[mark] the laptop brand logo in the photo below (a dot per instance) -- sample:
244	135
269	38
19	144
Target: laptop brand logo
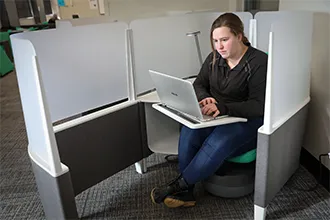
174	94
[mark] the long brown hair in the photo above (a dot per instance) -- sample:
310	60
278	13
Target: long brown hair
234	23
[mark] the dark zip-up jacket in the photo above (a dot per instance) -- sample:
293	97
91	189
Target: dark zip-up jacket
239	91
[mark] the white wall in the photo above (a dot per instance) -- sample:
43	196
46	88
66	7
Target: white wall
318	126
27	21
236	5
308	5
268	5
80	7
126	10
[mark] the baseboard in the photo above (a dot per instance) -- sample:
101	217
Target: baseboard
313	166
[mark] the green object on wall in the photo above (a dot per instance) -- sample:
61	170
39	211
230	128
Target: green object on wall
6	66
4	36
33	29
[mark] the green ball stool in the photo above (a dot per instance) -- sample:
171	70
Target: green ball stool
235	178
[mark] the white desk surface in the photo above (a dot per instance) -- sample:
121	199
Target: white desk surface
151	97
216	122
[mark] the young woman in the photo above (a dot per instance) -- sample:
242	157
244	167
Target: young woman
232	81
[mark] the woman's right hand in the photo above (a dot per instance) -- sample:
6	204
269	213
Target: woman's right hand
208	100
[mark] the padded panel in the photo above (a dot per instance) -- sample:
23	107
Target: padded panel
84	67
278	157
161	44
56	194
144	135
97	149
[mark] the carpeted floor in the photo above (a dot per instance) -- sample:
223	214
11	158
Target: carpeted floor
126	194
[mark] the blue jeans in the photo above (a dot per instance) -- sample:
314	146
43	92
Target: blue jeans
203	151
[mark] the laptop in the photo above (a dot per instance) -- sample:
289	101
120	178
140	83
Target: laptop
178	96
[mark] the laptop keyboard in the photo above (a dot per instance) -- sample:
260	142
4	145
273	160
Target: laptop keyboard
181	115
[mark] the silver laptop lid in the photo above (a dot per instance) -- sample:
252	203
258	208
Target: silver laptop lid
176	93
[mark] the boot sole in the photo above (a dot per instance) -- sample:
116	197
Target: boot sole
152	197
175	203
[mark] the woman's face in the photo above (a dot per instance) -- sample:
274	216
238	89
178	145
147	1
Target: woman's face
225	42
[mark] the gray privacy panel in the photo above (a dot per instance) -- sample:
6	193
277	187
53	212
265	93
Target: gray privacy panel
144	131
161	44
62	204
97	149
278	157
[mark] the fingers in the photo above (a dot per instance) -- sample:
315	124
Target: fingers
201	103
216	113
210	109
210	112
206	109
207	101
210	100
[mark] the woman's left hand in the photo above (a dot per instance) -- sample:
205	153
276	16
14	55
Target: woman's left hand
210	109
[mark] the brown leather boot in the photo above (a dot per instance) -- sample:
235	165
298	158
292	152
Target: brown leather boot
178	185
181	199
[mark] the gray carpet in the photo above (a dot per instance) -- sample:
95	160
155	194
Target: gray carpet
126	194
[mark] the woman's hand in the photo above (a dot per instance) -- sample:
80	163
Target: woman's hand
210	109
208	100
